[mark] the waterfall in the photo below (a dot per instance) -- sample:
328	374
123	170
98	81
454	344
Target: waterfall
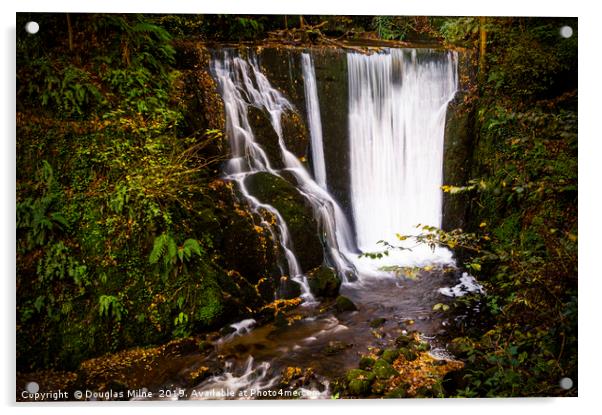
313	119
242	84
248	157
397	106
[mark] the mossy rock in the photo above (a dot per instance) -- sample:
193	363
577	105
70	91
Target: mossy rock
422	347
359	374
324	282
343	304
242	244
403	340
295	134
390	355
335	347
359	382
366	362
295	211
383	370
359	387
408	354
379	387
399	392
377	322
265	135
288	288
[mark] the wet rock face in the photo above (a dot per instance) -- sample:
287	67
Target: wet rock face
294	135
333	94
283	68
295	211
459	142
265	136
245	246
196	94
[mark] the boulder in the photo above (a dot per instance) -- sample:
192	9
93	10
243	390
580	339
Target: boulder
359	382
324	282
343	304
377	322
390	355
383	370
366	362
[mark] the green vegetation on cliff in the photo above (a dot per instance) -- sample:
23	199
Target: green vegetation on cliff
525	160
123	229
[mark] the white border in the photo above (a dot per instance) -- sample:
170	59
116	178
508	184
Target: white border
589	184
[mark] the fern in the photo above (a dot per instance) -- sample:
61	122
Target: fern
58	263
158	249
190	247
172	250
165	248
110	306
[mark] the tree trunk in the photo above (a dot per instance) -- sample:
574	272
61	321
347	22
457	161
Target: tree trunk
70	32
482	47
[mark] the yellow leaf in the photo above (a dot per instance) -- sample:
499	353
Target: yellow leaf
483	224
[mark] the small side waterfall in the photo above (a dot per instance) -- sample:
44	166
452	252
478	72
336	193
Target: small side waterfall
247	156
397	106
313	119
243	84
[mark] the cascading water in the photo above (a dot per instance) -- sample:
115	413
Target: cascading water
397	106
242	84
313	119
247	156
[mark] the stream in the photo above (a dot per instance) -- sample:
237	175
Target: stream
325	341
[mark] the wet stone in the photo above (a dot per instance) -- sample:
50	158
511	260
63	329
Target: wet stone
390	355
343	304
377	322
383	370
366	362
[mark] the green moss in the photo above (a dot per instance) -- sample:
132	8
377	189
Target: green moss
398	393
359	382
390	355
323	282
377	322
366	363
343	304
383	369
295	211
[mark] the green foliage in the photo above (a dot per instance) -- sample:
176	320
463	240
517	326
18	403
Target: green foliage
460	29
130	77
246	28
58	263
527	157
390	27
67	89
173	258
182	328
111	307
98	178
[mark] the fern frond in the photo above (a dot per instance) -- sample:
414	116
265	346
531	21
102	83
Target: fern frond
192	246
158	249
